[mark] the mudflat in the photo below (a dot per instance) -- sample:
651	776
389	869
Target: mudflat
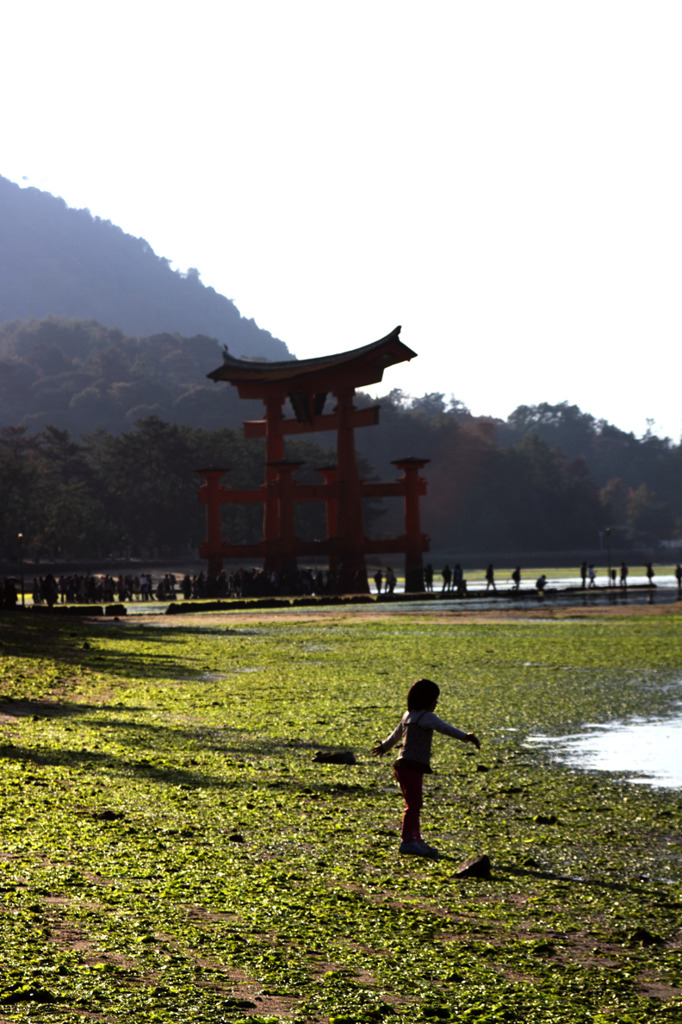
369	613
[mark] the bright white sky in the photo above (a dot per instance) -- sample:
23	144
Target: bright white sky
501	177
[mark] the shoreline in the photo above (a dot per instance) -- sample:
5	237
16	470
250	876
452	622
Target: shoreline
526	612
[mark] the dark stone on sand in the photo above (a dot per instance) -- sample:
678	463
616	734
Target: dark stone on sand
334	757
108	815
474	867
643	937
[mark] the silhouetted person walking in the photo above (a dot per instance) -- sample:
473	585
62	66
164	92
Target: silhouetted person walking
458	584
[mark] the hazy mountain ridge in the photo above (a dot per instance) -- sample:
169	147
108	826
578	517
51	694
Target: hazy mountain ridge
61	262
79	376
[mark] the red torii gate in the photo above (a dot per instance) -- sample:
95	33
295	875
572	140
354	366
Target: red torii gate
307	383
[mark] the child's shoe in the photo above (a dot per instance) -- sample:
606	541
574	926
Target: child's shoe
428	851
412	846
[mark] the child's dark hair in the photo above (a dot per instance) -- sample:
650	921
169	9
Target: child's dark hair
422	695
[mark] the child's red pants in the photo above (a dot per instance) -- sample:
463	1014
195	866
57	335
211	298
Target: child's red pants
411	786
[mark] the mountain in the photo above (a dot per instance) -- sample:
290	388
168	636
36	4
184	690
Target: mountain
79	376
60	262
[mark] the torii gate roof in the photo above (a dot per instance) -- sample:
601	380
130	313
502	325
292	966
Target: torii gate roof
357	368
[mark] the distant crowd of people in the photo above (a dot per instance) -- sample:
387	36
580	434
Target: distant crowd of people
301	582
77	588
453	581
107	589
619	577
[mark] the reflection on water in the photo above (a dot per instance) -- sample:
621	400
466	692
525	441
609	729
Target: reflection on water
476	601
652	748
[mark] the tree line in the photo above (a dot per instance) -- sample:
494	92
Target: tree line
492	486
133	494
549	478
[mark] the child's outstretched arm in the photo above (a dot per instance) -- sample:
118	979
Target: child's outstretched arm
432	721
380	748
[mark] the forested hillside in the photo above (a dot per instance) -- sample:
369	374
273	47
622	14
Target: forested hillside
66	263
81	376
549	478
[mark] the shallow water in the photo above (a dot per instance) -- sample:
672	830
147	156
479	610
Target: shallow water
503	600
649	749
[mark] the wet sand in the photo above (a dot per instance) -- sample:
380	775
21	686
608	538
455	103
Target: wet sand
525	612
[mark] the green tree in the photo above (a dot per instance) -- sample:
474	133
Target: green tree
651	520
73	521
150	486
19	508
614	501
563	425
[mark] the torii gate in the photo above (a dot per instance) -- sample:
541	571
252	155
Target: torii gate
307	383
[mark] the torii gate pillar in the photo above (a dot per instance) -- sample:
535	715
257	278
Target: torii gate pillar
350	526
414	541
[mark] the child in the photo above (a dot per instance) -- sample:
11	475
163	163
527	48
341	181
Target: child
415	730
